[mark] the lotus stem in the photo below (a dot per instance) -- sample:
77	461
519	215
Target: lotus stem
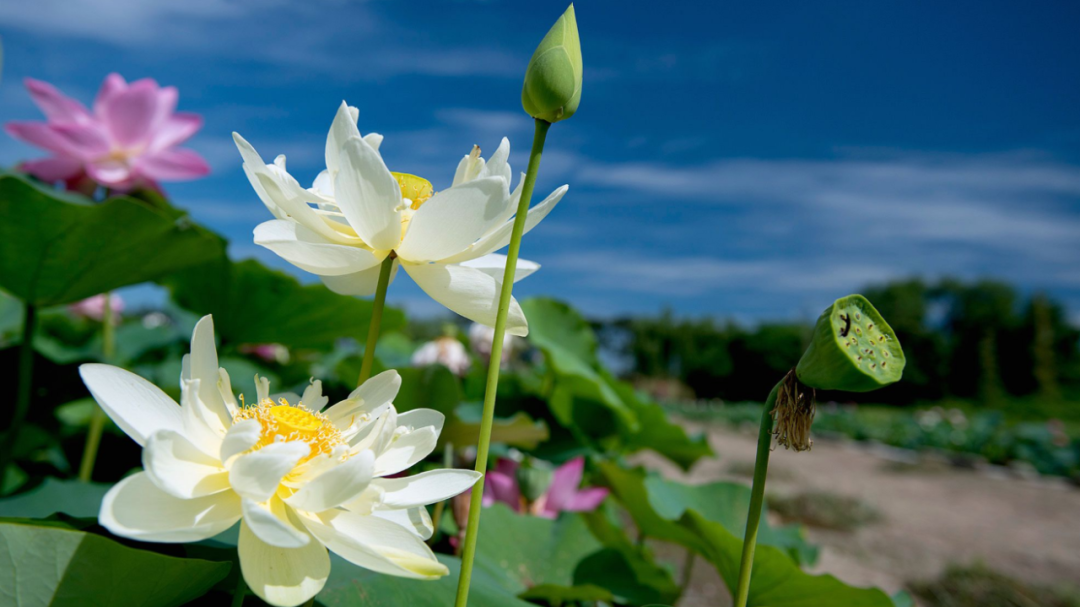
26	378
757	497
376	317
97	417
494	363
240	592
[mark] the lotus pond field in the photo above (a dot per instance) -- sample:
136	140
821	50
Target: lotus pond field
304	303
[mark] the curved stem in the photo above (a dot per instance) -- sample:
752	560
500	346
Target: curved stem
495	362
97	418
240	592
26	378
757	498
376	317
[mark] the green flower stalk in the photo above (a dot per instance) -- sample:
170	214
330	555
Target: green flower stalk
853	349
551	93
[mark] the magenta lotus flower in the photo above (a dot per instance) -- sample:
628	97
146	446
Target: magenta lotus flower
129	140
563	495
94	307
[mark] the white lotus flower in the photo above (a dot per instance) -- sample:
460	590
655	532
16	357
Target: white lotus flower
300	479
446	351
363	213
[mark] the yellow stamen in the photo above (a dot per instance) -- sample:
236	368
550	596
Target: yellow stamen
417	189
284	422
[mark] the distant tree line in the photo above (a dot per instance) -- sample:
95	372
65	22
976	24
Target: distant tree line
979	340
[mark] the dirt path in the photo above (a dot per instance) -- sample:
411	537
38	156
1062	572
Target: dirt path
931	516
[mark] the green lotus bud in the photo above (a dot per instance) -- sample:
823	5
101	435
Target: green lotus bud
553	79
853	349
533	479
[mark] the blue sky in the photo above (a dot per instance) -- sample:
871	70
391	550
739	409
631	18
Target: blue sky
753	160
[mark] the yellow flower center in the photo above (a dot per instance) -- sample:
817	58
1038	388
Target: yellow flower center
416	189
285	422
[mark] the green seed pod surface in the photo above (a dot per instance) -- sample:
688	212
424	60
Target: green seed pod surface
552	87
853	349
533	481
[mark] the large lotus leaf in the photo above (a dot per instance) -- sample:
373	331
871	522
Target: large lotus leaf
518	430
627	568
352	586
253	304
57	249
73	498
777	580
50	563
524	552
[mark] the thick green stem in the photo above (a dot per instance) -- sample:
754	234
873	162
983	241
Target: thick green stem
376	317
495	363
240	592
757	498
22	399
97	417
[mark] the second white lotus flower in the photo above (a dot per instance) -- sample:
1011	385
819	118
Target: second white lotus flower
298	477
363	213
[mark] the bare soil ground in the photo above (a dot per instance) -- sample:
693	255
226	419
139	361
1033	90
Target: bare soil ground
931	516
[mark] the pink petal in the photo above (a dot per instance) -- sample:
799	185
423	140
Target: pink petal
587	500
564	484
503	489
111	173
40	134
87	141
507	467
113	85
174	130
56	106
51	170
173	165
130	114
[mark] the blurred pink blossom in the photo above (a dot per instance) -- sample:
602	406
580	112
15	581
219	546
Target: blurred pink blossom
446	351
271	353
94	307
563	495
480	339
129	140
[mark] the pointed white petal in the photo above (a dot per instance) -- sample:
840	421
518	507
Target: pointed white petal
416	520
341	130
337	485
494	265
282	576
257	475
376	544
139	407
425	488
500	236
374	140
406	450
311	252
416	419
367	399
469	292
498	166
362	283
313	397
179	468
270	523
454	219
240	437
203	366
137	509
368	195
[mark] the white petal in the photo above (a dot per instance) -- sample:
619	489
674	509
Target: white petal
362	283
179	468
374	140
494	265
425	488
469	168
270	523
139	407
311	252
371	396
406	450
422	418
368	195
257	475
454	219
240	437
203	366
313	397
282	576
341	130
137	509
416	520
469	292
201	426
335	486
500	236
497	165
225	388
375	544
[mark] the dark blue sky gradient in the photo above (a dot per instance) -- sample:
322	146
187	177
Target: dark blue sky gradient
736	159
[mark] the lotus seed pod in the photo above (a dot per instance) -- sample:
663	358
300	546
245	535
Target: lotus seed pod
853	349
553	79
534	480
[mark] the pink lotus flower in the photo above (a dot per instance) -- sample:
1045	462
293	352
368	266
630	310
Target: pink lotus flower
563	495
129	139
94	307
